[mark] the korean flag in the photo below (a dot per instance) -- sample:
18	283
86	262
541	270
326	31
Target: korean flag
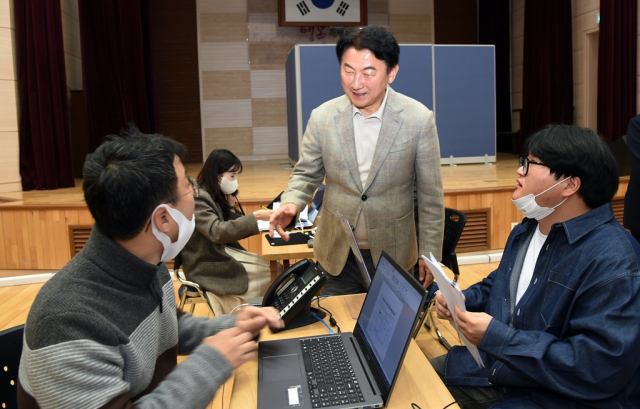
318	11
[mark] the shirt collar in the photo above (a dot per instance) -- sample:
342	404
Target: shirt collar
118	262
580	226
379	112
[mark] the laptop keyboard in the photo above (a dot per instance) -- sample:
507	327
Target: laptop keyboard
330	375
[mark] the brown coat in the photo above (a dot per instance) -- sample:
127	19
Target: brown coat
204	259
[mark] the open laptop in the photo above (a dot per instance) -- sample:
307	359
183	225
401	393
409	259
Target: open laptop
348	230
363	367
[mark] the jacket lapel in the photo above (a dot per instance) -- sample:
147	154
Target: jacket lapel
344	126
391	122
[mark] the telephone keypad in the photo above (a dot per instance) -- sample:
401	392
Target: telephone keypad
284	302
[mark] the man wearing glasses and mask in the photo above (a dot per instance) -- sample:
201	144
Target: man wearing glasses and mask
104	331
557	324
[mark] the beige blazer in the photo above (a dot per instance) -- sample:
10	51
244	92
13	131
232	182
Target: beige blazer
407	150
204	259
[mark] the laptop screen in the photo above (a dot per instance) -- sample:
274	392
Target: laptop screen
388	315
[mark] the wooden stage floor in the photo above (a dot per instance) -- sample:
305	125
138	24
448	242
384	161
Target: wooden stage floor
261	181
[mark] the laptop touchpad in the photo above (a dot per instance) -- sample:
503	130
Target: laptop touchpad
280	368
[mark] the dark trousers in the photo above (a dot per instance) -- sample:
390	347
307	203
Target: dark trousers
468	397
350	280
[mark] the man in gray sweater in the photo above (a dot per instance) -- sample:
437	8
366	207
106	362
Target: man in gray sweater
104	331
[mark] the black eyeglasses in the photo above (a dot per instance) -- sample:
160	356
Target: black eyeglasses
524	163
195	189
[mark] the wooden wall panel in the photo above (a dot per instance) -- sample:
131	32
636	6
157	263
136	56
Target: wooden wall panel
235	113
455	22
226	85
37	239
268	84
224	27
412	28
6	13
224	56
7	67
8	106
222	6
269	111
174	54
237	140
9	159
269	140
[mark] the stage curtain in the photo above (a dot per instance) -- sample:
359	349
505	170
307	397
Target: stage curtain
617	67
116	66
494	27
44	137
547	83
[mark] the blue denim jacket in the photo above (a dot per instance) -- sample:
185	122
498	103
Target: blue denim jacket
573	339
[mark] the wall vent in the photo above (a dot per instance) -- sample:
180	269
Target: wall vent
78	236
475	236
618	208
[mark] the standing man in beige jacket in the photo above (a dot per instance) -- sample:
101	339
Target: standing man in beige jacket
370	144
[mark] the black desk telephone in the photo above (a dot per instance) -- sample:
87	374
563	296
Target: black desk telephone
292	291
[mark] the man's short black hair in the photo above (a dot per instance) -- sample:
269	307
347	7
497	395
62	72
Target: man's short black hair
378	40
126	178
569	150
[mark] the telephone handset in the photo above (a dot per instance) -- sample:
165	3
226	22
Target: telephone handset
292	291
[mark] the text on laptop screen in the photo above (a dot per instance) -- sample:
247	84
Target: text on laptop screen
387	317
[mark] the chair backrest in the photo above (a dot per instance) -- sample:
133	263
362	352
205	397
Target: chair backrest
454	221
11	347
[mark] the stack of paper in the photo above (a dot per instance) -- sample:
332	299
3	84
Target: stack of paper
453	296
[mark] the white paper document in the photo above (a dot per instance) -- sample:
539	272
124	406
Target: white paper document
453	296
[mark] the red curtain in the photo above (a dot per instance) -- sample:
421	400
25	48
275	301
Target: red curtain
45	142
116	68
547	74
617	67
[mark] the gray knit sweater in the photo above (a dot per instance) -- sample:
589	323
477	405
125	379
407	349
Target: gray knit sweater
104	333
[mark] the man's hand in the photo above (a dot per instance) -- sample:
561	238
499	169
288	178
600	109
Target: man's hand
281	218
235	344
473	325
424	273
441	308
253	319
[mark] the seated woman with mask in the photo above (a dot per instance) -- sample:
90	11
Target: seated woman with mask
213	257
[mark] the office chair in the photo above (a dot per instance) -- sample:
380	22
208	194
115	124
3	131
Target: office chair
452	232
454	222
11	347
189	292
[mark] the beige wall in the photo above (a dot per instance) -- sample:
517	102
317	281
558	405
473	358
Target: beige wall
242	53
585	56
9	153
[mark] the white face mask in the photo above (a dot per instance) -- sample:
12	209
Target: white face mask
185	230
528	205
228	186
